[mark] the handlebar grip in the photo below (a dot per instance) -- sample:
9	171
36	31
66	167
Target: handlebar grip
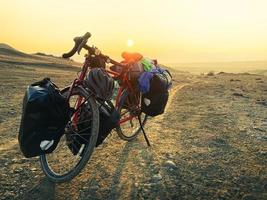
79	43
85	38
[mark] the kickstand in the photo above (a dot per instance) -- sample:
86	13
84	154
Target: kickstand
142	128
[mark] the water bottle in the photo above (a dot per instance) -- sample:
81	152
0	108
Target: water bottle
115	90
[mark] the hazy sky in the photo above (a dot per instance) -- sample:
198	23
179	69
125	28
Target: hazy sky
170	30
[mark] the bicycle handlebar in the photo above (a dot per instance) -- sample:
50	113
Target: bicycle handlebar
80	42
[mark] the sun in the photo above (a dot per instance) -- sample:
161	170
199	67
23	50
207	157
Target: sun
130	42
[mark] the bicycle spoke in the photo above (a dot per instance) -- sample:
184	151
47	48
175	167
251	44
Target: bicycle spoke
72	151
82	137
79	123
130	108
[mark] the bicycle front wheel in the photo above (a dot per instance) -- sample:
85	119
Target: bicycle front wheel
77	144
129	109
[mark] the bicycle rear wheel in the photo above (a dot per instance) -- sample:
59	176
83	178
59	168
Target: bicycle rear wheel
129	109
77	144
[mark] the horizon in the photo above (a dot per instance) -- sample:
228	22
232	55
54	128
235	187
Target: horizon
256	66
169	63
181	31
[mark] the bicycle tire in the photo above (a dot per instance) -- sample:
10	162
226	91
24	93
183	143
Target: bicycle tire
87	150
122	131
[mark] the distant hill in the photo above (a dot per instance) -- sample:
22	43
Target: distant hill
230	67
43	54
261	72
10	56
5	46
10	51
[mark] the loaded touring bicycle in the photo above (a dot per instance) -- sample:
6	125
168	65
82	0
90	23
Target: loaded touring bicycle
63	127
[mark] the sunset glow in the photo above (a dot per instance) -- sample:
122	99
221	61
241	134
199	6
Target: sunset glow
130	42
171	31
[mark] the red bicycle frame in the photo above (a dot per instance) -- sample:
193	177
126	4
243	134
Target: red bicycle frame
78	81
123	78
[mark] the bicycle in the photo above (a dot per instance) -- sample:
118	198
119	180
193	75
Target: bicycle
61	165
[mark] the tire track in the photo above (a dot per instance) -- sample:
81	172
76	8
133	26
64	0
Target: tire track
173	93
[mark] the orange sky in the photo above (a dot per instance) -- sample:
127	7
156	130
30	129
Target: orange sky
170	30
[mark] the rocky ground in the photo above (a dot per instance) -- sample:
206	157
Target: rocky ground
211	143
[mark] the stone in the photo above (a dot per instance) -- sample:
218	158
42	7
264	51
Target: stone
249	197
170	164
157	177
148	185
263	138
14	160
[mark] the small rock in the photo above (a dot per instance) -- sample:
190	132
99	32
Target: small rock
264	103
263	138
33	169
24	160
263	153
157	177
86	187
234	80
9	193
145	190
94	187
249	197
148	185
238	94
142	164
18	170
168	155
170	164
258	129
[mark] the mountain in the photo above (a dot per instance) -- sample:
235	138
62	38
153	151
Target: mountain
5	46
11	57
7	50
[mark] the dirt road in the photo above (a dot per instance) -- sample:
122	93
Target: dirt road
209	144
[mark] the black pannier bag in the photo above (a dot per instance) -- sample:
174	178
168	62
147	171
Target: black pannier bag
154	101
108	119
45	114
